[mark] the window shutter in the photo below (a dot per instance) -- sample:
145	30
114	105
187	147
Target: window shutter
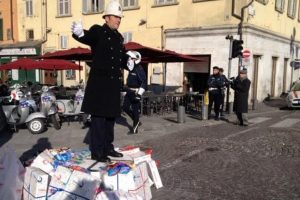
1	29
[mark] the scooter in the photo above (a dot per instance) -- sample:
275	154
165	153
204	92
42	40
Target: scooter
71	107
22	110
49	107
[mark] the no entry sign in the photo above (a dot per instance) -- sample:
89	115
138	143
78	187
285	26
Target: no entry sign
246	54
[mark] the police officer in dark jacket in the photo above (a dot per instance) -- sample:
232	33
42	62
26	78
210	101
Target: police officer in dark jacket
102	92
241	86
136	85
215	83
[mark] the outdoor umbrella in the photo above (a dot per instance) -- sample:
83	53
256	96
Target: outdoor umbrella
151	55
78	53
46	64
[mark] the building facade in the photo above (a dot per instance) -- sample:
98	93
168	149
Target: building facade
194	27
14	43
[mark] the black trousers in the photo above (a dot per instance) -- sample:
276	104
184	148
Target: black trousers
101	135
131	107
222	101
215	97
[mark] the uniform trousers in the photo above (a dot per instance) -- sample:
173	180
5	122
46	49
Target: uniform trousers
101	135
131	107
215	97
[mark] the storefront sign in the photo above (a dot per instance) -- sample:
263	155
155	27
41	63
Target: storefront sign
18	51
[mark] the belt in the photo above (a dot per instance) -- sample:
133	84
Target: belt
133	89
211	89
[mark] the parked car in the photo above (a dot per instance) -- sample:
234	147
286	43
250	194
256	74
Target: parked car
293	97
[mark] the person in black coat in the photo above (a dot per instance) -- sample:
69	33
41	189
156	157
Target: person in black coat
215	84
102	92
136	86
241	86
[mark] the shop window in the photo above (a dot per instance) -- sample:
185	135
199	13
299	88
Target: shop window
130	4
1	29
29	34
71	74
279	5
127	37
265	2
64	42
92	6
29	8
292	8
64	7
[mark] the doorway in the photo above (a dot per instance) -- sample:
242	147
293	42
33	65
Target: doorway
285	65
273	78
256	59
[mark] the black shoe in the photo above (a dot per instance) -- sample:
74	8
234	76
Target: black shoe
135	127
100	158
217	118
114	153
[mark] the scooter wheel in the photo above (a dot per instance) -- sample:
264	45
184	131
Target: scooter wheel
56	121
36	126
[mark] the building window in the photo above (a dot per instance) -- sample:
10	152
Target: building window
299	13
165	2
1	29
292	8
92	6
195	1
128	4
71	74
279	6
127	37
265	2
64	7
29	9
63	42
29	34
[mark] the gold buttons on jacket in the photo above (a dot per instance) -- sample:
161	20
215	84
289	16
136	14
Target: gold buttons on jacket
112	67
112	57
108	38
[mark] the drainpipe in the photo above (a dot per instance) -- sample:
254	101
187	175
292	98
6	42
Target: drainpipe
11	21
240	29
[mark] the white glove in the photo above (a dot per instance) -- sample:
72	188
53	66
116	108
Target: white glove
140	91
77	29
130	64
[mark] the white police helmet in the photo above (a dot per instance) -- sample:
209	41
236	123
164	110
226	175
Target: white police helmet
136	56
113	8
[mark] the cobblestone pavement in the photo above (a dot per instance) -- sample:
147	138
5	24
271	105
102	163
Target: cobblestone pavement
231	162
202	159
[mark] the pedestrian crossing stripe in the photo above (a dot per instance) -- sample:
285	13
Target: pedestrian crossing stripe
257	120
286	123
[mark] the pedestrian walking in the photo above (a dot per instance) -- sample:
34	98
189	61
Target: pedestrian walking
215	84
102	92
241	85
136	86
223	90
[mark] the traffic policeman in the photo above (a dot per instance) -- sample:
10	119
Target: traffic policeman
215	83
102	92
136	86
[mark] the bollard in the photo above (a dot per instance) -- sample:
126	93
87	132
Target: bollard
204	112
230	107
254	104
181	114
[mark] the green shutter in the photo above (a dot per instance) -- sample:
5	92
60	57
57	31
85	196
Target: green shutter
1	29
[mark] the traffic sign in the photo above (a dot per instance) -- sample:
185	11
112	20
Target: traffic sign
246	54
